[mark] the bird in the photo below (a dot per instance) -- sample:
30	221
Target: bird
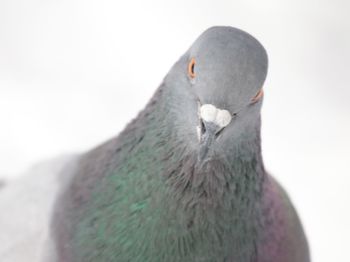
26	203
185	180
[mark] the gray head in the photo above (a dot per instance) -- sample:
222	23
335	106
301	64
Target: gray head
216	89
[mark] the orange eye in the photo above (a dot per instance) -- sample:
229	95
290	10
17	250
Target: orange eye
190	68
258	96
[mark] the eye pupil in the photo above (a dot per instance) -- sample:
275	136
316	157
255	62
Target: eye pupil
191	66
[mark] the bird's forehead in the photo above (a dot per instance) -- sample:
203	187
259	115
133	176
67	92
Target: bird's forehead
223	41
230	53
231	66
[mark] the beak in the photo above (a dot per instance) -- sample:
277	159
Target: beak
212	122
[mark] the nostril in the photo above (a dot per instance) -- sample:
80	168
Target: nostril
218	133
203	129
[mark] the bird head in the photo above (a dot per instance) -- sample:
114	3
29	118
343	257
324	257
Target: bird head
216	89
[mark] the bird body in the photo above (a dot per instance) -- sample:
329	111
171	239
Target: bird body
180	184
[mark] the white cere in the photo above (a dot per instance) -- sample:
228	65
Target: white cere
220	117
223	118
208	112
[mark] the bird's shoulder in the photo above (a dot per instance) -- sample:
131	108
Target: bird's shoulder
284	234
26	204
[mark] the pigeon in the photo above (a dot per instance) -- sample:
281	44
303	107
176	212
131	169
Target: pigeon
185	180
26	204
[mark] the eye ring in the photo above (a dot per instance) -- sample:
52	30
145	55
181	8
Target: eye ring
190	68
258	96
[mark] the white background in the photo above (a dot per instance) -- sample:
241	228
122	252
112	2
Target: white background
74	72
